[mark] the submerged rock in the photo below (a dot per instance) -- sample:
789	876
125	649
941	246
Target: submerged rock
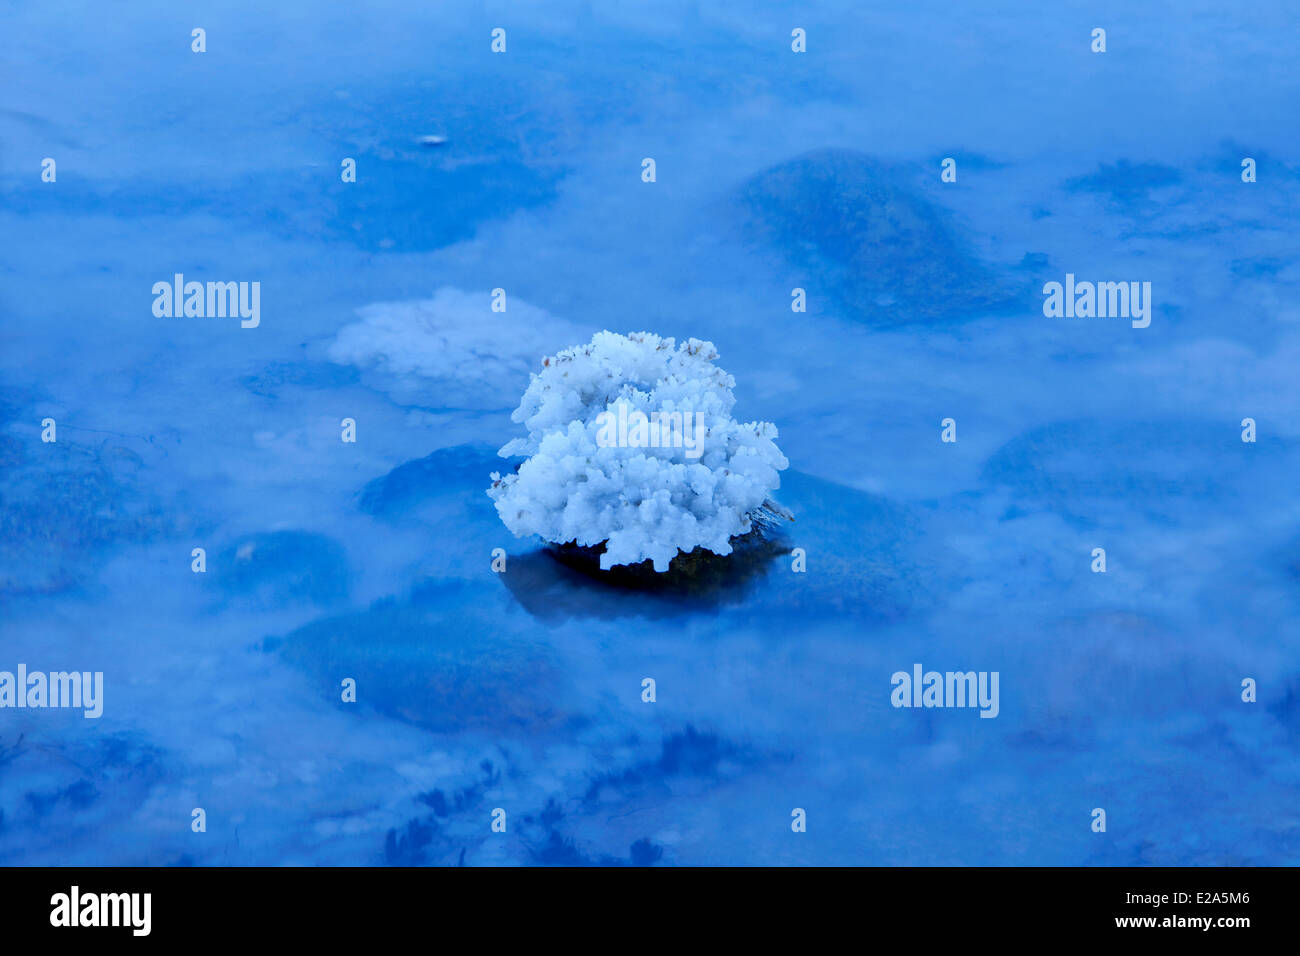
697	572
438	658
866	559
891	256
457	470
1171	471
63	506
280	565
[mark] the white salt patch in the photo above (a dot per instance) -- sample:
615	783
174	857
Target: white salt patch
451	351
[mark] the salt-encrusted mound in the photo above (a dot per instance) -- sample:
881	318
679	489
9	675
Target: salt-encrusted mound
641	503
450	351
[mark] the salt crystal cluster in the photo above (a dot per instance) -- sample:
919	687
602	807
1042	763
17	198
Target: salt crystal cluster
642	502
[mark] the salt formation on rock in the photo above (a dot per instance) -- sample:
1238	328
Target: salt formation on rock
643	500
446	352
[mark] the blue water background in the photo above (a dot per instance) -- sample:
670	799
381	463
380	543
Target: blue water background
775	170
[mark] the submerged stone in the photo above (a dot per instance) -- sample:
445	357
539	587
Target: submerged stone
438	658
891	255
284	564
458	469
697	572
